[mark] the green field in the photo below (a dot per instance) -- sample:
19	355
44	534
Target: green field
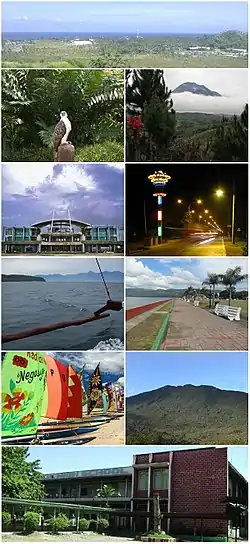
148	52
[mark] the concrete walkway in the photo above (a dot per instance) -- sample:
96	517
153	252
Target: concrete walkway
196	329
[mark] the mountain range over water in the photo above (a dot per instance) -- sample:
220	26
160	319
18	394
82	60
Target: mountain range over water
114	276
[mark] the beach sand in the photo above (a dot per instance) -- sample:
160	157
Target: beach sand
110	434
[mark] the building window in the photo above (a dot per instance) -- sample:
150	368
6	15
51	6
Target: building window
142	480
160	479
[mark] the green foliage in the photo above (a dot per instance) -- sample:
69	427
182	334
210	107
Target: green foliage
187	415
31	522
231	278
107	491
6	519
83	524
103	525
153	51
109	151
93	525
178	137
60	523
21	479
32	101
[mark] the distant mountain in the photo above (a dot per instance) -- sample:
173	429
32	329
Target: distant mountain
20	277
115	277
195	88
161	293
225	40
187	415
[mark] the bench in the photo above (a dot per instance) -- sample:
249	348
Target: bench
231	312
196	302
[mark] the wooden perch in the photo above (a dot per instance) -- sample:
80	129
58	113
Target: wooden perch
65	153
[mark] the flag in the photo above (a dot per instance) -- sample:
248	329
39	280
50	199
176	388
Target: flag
84	394
105	400
112	397
56	393
23	386
74	395
119	396
94	389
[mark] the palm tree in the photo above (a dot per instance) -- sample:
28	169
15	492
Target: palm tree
212	280
190	292
230	279
107	491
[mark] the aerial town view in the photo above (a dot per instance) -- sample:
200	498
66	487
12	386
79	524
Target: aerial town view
124	271
127	34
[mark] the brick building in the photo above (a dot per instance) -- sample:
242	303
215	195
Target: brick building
199	483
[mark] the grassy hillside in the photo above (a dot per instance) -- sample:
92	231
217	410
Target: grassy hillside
187	415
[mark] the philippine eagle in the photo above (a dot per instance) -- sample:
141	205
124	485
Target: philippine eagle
62	130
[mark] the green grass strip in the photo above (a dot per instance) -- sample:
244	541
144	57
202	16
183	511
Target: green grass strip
162	331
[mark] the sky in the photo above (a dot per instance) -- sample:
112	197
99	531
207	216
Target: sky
188	182
165	273
233	90
222	370
93	193
110	362
59	265
65	459
119	16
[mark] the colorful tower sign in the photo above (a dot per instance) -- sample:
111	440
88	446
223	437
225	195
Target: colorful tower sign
159	180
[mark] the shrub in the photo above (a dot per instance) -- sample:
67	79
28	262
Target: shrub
6	519
60	523
93	525
31	522
103	524
109	151
83	524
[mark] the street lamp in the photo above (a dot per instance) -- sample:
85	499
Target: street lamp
179	201
205	211
159	180
220	193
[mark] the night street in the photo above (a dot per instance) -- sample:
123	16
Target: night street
200	245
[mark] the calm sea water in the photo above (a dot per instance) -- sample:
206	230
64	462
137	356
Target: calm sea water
33	304
65	35
133	302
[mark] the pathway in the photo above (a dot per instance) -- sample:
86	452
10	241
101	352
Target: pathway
196	329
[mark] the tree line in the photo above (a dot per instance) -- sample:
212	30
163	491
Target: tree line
152	121
229	279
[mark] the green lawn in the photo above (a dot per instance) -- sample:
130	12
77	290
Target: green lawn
108	151
243	304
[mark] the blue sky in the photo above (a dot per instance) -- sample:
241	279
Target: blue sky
165	273
147	370
66	459
93	193
157	17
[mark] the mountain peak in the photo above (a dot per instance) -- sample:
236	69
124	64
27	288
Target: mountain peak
195	88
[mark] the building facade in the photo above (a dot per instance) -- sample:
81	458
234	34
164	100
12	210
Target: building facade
199	491
62	236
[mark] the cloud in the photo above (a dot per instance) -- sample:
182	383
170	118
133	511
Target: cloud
22	18
117	166
140	275
109	362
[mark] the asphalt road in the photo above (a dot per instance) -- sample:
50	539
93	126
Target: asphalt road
204	245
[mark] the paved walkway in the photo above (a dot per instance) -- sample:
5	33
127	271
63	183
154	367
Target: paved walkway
196	329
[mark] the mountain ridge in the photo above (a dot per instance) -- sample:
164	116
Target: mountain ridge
195	88
187	414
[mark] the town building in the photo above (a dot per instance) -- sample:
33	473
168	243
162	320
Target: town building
200	491
62	236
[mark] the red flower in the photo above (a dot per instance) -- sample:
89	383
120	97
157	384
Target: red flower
135	122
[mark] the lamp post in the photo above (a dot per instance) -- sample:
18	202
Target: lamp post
159	180
220	194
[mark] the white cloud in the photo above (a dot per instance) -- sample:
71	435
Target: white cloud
116	165
140	275
109	361
234	90
220	265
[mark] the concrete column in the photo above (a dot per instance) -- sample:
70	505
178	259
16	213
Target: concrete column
149	487
132	495
126	487
169	488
